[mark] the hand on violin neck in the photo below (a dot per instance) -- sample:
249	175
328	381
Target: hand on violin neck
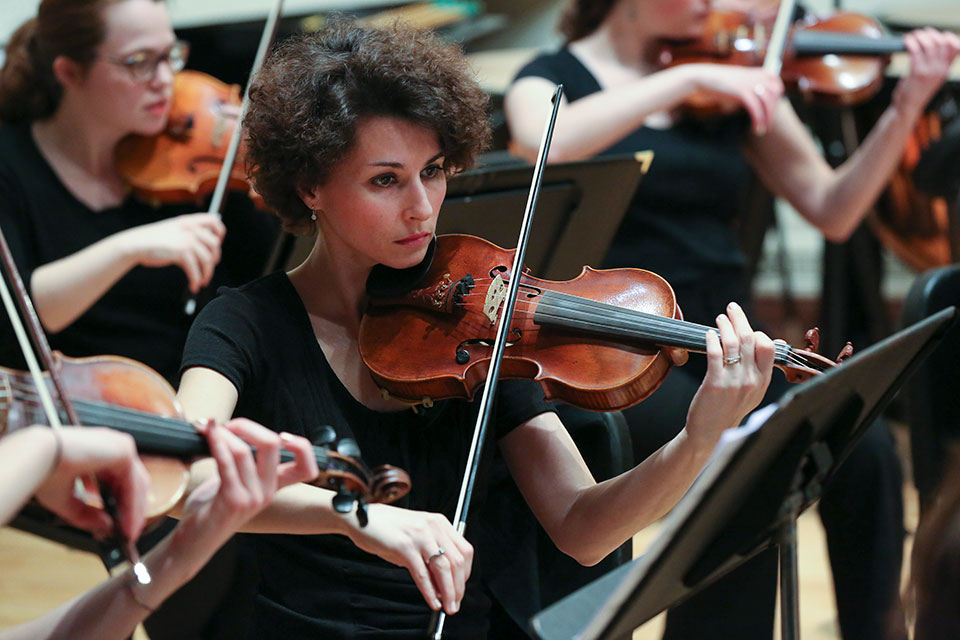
739	366
931	54
244	484
108	456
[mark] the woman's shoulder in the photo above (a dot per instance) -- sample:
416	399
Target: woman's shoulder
267	300
548	64
242	327
17	147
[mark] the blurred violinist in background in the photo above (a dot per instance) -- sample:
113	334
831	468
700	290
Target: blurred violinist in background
682	225
44	462
108	272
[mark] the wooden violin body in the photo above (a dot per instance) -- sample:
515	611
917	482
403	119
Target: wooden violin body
182	164
838	60
602	341
911	223
126	395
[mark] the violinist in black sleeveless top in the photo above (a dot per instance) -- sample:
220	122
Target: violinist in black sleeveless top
683	224
352	135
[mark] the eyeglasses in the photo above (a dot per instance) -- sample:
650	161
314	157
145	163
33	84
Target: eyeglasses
142	65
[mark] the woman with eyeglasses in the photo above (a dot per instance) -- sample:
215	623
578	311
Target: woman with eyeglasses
107	272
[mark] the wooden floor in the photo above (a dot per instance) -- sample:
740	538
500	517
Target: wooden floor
35	575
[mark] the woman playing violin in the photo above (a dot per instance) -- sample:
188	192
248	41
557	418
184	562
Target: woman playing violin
682	224
107	272
352	135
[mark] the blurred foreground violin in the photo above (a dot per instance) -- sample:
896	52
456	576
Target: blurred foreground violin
131	397
837	60
604	340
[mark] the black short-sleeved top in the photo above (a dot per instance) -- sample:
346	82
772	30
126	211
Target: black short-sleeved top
322	586
142	315
681	222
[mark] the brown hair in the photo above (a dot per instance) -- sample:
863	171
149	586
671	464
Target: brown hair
74	28
311	92
583	17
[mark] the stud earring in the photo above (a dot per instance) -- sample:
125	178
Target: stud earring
313	216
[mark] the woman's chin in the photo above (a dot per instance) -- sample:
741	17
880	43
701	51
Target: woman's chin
151	126
408	260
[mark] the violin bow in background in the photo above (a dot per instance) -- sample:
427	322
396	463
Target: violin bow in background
216	201
493	373
773	61
12	275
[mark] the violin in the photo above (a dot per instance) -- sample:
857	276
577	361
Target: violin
128	396
911	223
838	60
603	341
183	163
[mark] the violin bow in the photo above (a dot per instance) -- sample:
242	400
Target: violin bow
12	275
503	329
216	201
773	60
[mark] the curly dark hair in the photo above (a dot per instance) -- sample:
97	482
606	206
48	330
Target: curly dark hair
307	99
583	17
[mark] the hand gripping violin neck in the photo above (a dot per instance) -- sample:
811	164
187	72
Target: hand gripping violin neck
125	395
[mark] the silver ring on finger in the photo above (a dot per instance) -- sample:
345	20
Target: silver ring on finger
436	554
732	359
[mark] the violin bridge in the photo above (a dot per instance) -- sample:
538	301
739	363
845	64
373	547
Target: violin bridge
496	294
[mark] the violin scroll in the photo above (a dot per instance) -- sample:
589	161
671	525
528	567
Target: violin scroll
801	364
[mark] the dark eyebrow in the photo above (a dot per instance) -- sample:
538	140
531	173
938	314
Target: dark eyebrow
148	50
399	165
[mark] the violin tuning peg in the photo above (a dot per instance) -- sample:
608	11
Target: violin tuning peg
344	502
348	447
812	339
326	435
362	516
845	353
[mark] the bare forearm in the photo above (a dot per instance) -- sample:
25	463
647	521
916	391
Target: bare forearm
859	181
63	290
299	509
608	514
109	610
589	125
26	460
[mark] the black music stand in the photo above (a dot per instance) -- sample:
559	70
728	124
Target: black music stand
749	496
580	208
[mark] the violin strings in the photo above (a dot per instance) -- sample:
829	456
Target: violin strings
693	340
785	352
688	333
